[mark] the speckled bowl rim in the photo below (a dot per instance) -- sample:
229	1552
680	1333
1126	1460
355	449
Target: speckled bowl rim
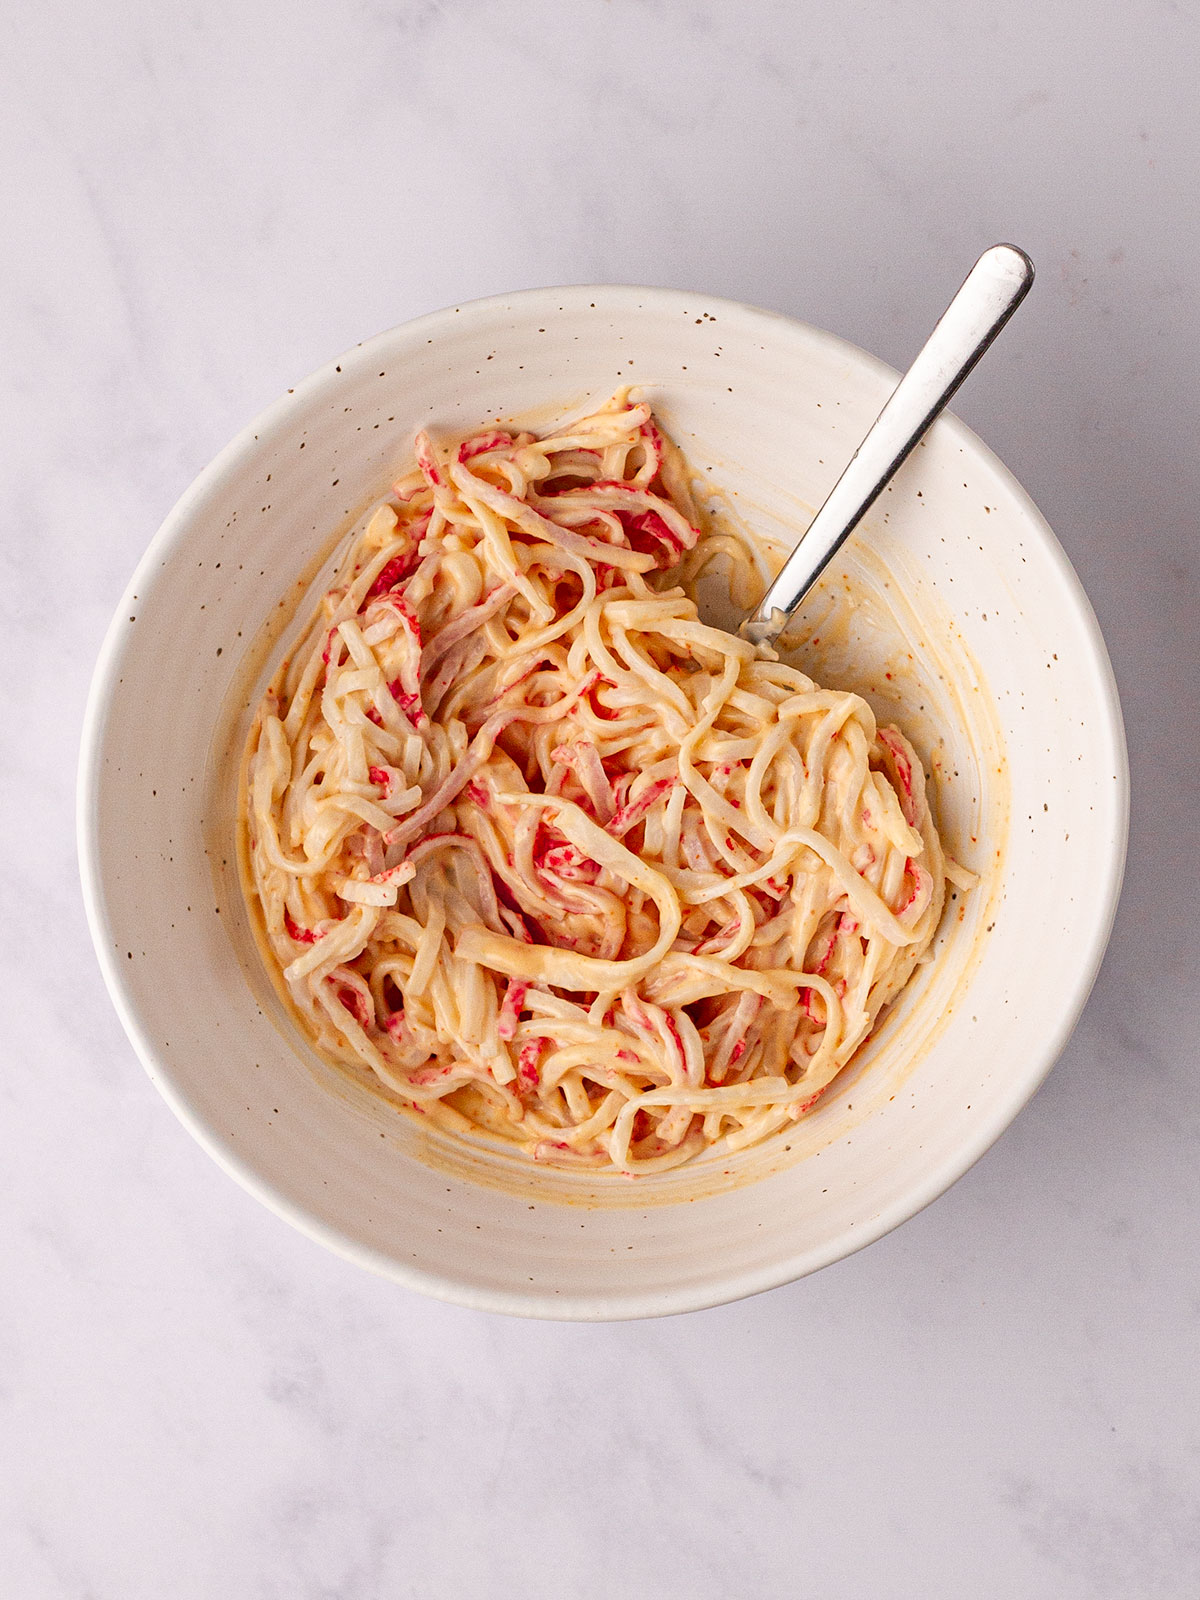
727	1286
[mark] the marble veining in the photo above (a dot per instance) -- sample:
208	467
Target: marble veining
201	205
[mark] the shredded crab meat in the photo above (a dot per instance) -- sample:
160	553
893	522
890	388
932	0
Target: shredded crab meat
547	858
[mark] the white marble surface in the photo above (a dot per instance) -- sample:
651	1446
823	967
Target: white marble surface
203	202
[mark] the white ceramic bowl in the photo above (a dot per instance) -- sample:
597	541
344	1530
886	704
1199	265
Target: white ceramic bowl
960	582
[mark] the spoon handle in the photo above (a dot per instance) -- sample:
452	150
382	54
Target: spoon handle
992	291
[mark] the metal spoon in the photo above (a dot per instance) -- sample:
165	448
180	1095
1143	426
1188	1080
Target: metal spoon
994	288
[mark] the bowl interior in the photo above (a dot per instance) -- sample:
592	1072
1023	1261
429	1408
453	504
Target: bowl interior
958	590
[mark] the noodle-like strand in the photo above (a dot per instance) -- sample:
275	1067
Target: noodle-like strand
554	861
